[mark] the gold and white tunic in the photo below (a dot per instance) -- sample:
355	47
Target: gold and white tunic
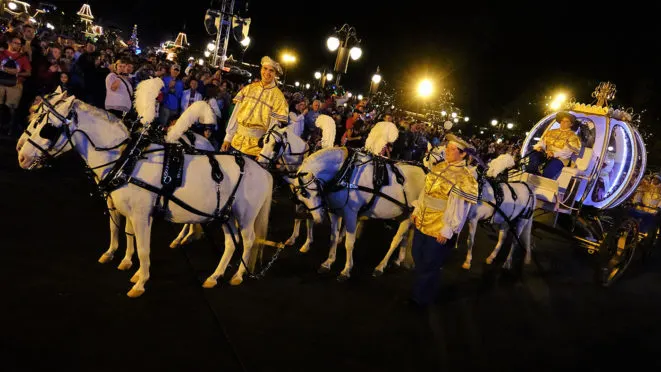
562	142
257	107
450	189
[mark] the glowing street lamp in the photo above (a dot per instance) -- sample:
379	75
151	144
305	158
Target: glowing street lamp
454	114
443	113
425	88
211	47
317	75
494	122
287	58
245	42
200	62
345	42
297	83
207	53
466	119
307	86
360	97
376	79
333	43
510	125
329	76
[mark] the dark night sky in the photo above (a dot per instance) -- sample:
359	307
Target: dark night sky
491	55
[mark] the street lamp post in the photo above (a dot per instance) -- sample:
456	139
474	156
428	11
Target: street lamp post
346	42
376	79
287	59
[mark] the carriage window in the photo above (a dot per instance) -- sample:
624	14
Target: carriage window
586	132
616	165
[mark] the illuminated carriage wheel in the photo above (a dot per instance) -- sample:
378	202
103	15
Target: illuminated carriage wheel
617	251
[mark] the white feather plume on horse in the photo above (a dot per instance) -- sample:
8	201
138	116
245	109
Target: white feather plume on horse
199	111
384	132
499	164
327	126
145	99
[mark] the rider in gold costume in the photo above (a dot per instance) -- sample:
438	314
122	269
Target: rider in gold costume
258	106
439	215
555	148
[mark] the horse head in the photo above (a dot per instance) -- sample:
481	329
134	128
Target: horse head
45	137
273	144
433	156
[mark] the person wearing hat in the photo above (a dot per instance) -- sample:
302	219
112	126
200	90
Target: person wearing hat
257	106
555	148
647	198
439	215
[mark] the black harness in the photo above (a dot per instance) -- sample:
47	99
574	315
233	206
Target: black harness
343	181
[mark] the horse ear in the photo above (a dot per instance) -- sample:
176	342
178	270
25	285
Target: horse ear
429	146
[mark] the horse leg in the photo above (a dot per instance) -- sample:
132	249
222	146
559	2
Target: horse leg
309	223
130	247
142	227
396	241
248	234
472	229
520	226
294	234
336	221
195	233
225	259
502	234
351	226
115	221
177	241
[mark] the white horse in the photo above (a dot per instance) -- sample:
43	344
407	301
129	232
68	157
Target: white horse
314	180
100	139
187	234
283	149
518	211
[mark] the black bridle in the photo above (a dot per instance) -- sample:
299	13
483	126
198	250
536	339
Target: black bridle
280	148
303	188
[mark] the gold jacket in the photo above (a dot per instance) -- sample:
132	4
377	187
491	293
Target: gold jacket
450	189
257	107
563	143
648	197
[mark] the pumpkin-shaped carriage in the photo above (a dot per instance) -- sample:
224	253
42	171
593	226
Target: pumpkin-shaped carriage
595	186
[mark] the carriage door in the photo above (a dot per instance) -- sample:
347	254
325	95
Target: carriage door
617	166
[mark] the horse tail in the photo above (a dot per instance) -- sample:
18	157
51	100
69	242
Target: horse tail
261	223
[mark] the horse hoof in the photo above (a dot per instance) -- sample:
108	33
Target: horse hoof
125	265
105	258
134	293
174	244
489	260
236	281
290	242
342	278
466	266
323	270
209	283
304	249
377	273
134	278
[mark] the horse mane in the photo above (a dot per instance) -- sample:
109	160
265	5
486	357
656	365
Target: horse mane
293	137
500	164
145	99
324	163
327	126
198	111
106	130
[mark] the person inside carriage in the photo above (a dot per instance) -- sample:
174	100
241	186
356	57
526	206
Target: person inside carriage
555	149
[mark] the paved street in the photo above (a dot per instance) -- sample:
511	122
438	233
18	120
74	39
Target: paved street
61	309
